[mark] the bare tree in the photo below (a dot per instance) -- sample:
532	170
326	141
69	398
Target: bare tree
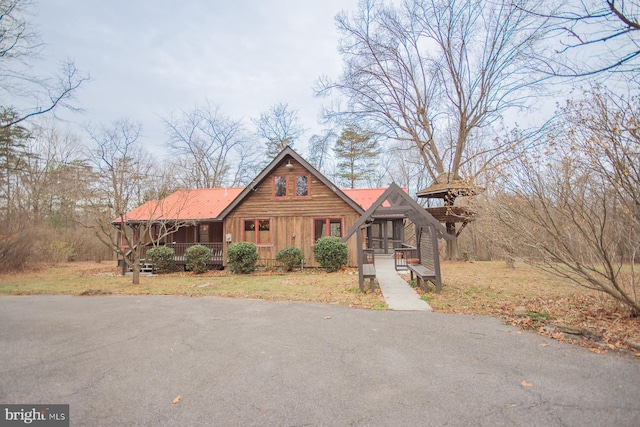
279	127
56	178
591	37
19	47
122	167
405	168
320	148
437	74
210	148
575	209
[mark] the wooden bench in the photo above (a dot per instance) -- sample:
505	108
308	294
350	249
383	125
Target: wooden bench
369	272
425	274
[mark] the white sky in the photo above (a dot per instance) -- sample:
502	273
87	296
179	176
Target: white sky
150	58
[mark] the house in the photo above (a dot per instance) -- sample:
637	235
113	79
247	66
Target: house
289	203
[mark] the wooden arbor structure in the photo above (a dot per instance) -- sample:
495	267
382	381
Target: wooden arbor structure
449	187
395	201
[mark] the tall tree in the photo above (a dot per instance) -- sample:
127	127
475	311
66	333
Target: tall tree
437	74
19	81
356	149
122	167
56	176
591	37
209	147
320	148
279	127
13	153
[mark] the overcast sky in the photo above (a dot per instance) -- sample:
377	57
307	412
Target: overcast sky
147	59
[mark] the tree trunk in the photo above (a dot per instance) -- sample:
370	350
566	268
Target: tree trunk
452	245
136	265
136	273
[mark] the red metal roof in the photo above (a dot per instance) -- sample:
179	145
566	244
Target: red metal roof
208	203
205	203
365	197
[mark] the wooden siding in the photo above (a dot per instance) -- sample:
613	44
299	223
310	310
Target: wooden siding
292	217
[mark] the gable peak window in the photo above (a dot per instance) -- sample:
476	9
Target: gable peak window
280	186
302	185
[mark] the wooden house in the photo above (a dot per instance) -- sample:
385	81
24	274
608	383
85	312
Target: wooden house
289	203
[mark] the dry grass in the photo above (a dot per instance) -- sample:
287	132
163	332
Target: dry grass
538	301
87	278
523	296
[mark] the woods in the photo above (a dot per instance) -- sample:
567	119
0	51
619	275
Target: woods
430	92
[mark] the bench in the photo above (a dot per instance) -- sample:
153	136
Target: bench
425	274
369	272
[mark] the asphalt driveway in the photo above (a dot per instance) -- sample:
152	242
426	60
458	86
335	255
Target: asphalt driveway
123	361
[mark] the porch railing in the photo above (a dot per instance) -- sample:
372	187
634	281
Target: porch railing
401	255
180	248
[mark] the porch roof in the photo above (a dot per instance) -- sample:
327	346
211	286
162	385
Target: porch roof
365	197
183	205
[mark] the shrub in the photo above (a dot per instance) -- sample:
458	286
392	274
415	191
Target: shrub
162	257
331	253
196	258
58	251
290	257
242	257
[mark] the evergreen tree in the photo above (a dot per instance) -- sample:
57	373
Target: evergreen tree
356	149
12	154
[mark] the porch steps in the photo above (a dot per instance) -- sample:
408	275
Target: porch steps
145	267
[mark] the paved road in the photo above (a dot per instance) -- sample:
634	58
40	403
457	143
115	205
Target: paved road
122	361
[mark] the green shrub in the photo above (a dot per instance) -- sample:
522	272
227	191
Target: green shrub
162	257
242	257
196	258
290	257
331	253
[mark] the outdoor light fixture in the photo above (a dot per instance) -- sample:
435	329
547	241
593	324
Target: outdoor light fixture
288	165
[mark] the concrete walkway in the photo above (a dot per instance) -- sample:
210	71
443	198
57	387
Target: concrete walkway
396	291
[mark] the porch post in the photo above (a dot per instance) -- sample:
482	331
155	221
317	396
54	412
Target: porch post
360	260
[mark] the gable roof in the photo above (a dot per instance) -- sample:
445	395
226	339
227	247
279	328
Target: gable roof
184	205
399	202
366	197
286	153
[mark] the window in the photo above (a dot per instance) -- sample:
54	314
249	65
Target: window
263	234
302	185
327	227
203	232
280	186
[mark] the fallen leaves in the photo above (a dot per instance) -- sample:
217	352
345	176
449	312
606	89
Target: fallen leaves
524	383
524	299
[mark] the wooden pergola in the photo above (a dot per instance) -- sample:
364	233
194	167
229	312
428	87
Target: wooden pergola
395	201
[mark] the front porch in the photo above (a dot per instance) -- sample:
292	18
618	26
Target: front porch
216	261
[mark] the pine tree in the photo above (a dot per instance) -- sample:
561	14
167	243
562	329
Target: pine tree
12	154
356	149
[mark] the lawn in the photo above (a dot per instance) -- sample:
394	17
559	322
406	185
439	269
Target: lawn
86	279
523	296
